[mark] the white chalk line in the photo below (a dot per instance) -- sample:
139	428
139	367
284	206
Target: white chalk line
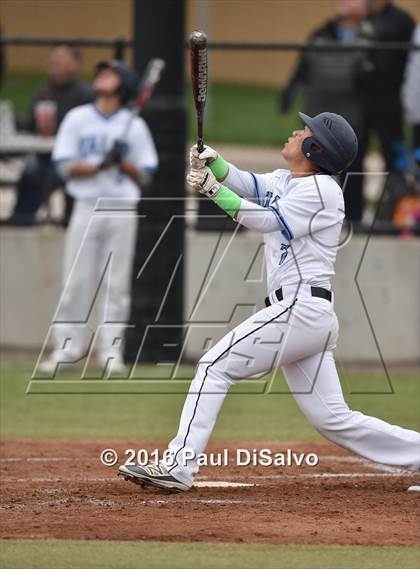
40	459
214	502
364	462
383	470
339	475
209	482
222	484
145	502
335	458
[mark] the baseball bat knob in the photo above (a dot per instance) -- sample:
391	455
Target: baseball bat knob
199	38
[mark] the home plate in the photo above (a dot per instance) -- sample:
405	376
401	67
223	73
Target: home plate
220	484
413	489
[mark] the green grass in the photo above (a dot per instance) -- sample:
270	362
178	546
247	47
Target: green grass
235	113
141	417
57	554
246	416
245	114
238	114
20	88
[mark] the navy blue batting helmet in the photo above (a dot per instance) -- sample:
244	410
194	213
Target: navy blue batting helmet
129	78
333	145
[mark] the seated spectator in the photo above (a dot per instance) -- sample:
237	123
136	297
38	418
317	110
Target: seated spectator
63	91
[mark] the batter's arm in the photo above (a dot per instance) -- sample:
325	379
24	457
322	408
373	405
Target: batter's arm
262	219
246	184
72	169
130	170
68	169
251	215
80	170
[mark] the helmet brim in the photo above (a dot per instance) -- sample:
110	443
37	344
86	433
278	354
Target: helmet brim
101	66
307	120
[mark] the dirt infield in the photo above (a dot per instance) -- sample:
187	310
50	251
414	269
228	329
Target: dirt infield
59	489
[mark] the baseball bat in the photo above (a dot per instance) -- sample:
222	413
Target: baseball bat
199	80
148	82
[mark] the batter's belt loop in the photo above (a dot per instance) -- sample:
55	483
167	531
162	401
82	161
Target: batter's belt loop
315	291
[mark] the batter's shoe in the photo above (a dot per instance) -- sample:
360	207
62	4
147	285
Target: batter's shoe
152	475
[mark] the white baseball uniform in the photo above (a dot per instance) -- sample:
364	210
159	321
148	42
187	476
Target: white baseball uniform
99	242
301	219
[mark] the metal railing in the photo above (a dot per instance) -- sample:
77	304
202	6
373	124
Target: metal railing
119	45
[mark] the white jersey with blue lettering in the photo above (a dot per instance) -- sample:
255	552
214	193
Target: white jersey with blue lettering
85	136
301	219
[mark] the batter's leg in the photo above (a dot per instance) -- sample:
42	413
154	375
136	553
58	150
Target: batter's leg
276	334
316	387
119	239
80	254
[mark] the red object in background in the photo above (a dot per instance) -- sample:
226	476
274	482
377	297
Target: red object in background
407	212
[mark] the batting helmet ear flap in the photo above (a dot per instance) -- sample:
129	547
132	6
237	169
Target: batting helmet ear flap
306	147
312	150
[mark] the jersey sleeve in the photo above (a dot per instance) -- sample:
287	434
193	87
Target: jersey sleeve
257	218
142	151
66	145
247	184
305	210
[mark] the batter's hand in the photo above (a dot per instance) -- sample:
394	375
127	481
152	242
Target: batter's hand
114	157
202	159
202	180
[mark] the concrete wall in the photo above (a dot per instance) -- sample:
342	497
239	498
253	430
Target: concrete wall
231	290
229	20
30	275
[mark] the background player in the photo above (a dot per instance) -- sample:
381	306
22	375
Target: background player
97	164
300	212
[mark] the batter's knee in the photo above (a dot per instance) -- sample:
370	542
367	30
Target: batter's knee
214	370
330	418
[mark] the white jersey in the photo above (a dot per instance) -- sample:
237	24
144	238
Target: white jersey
301	219
85	136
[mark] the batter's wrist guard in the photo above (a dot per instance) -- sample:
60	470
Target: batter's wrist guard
219	167
228	201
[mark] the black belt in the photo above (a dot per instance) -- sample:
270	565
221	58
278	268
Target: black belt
315	291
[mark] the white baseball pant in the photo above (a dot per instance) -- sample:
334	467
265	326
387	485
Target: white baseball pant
298	335
98	259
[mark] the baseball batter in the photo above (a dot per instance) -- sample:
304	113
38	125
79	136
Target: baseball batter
300	211
97	163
